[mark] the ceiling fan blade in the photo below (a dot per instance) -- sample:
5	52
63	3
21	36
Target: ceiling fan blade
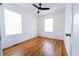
45	8
0	3
35	5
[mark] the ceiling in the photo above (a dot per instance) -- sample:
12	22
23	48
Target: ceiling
54	7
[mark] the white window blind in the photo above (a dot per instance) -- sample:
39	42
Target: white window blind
13	22
49	25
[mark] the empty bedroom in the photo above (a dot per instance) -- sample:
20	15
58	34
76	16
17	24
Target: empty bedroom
34	29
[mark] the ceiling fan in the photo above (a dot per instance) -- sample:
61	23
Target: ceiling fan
40	8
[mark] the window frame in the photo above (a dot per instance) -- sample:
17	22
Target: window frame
20	26
46	30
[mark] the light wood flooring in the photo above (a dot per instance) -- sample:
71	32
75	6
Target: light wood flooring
39	46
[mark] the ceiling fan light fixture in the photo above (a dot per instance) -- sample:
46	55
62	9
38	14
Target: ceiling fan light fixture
40	8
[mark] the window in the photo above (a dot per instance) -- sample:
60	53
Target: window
49	25
13	23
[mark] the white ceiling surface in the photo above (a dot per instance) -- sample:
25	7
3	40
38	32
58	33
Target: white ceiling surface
54	7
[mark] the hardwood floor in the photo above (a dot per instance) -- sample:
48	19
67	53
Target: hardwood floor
39	46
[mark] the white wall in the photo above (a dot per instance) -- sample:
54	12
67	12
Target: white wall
29	27
58	26
0	29
1	26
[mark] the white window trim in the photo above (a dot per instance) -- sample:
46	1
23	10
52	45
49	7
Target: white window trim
48	27
7	22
